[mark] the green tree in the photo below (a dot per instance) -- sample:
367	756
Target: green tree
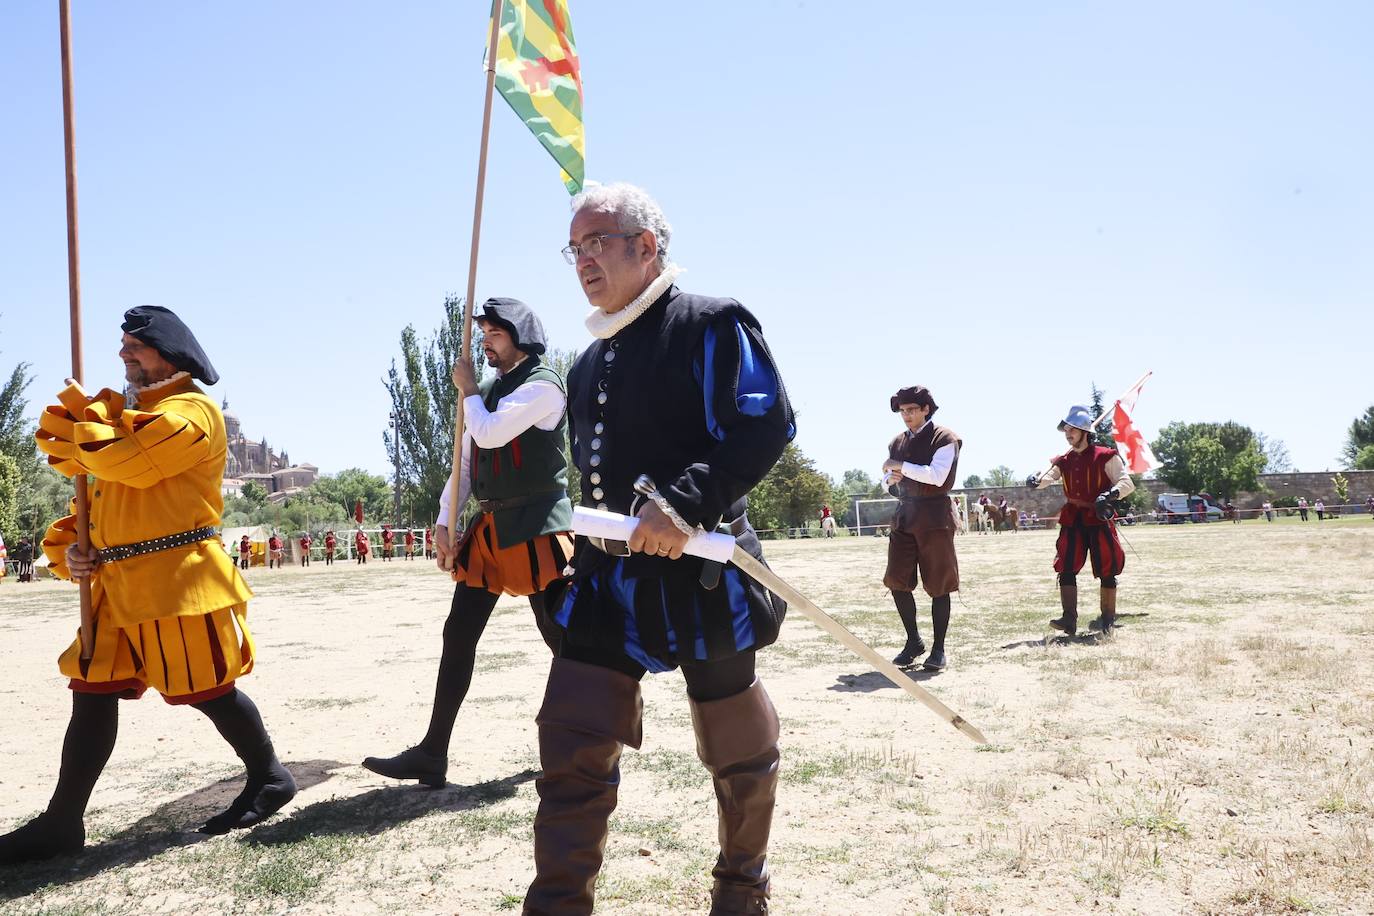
854	484
423	399
1364	461
561	361
1099	407
1218	458
973	482
1001	476
1276	459
254	494
792	493
44	497
16	436
310	511
9	499
43	494
1358	437
857	482
1141	499
1341	484
345	488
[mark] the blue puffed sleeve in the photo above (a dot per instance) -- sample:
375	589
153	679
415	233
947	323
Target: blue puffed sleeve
757	390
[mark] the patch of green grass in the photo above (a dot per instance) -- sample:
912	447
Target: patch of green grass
327	702
1156	823
673	769
499	661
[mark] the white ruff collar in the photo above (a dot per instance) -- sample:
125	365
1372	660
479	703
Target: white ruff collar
606	325
133	392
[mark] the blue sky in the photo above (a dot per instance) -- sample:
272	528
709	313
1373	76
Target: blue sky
1004	202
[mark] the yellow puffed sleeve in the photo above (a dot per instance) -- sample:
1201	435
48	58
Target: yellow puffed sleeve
54	438
138	448
56	435
59	537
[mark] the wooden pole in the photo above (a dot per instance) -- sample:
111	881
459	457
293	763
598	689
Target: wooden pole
83	515
453	507
1102	416
756	570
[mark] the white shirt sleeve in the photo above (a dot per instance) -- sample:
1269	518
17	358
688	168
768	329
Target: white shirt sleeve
536	403
1051	476
935	473
464	481
1121	479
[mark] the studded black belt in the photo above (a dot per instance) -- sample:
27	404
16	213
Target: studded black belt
492	505
153	545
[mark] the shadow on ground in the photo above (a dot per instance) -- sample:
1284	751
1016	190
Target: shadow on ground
1092	638
378	810
871	681
171	825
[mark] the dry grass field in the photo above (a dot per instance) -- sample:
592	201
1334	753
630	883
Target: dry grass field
1215	756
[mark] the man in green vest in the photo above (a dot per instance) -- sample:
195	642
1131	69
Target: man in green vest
515	427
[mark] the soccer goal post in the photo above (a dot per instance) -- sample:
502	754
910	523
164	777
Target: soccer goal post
874	516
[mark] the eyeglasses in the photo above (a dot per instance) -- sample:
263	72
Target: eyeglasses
594	245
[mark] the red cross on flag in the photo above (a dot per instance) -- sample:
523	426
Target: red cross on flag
1130	442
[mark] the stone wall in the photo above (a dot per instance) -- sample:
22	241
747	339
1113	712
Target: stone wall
1312	485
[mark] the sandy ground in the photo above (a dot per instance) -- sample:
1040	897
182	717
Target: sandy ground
1215	756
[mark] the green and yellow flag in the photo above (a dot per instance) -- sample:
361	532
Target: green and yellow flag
539	75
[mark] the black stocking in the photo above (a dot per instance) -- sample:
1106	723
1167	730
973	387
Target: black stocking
906	609
939	616
85	751
269	784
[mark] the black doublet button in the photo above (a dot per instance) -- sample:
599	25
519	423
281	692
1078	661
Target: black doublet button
603	385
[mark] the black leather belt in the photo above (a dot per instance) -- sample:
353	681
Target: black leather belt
710	572
166	542
492	505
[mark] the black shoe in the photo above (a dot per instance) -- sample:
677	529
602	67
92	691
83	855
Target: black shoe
41	838
415	763
907	657
1065	624
1104	624
260	799
935	661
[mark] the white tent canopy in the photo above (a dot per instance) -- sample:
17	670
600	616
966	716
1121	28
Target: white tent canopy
257	534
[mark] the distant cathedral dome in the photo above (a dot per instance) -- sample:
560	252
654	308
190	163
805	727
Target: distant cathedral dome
232	427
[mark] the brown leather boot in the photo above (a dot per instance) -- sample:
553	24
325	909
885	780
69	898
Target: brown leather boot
1108	618
1068	600
737	739
589	714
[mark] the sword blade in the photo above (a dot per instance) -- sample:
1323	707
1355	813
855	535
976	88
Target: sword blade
761	574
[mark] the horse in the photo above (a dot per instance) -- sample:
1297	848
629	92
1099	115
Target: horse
978	517
999	518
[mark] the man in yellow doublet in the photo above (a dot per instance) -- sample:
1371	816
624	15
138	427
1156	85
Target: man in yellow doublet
170	607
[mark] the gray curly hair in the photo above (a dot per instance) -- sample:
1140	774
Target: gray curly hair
633	208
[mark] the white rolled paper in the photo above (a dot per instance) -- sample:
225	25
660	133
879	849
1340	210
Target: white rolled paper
598	523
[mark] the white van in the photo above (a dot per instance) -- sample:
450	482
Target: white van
1181	506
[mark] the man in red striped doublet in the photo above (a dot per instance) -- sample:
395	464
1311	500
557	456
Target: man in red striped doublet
1094	478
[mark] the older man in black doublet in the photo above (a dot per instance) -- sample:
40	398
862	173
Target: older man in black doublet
681	388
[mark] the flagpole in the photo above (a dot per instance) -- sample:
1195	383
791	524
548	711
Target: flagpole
83	524
1138	382
1102	416
453	507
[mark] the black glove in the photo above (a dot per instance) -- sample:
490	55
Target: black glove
1032	482
1105	506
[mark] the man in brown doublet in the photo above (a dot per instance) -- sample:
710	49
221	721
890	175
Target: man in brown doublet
920	471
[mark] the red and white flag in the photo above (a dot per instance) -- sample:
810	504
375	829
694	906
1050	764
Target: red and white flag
1130	443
